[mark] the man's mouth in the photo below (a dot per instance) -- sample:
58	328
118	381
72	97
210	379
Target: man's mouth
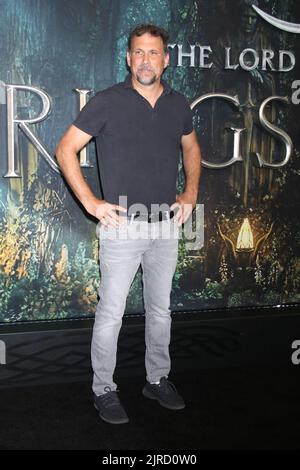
146	70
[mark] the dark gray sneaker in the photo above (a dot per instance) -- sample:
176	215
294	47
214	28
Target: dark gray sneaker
165	393
110	408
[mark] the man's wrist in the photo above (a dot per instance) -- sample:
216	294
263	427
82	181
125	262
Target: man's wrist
191	196
91	204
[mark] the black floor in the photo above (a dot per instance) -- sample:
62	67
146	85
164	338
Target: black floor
226	409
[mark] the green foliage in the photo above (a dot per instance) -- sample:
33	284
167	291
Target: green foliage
49	255
246	298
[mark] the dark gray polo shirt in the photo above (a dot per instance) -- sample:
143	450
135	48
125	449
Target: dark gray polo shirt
138	146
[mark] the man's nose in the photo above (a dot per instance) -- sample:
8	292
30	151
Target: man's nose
145	57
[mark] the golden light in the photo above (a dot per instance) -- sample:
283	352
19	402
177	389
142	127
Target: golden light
245	238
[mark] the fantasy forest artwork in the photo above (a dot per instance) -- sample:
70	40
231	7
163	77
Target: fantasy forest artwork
238	69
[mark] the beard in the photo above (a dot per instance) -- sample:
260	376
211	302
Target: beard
145	80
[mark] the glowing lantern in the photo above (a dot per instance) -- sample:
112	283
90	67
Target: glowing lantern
245	238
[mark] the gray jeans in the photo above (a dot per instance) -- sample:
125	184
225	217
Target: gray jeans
122	250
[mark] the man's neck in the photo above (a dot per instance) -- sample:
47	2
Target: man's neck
150	92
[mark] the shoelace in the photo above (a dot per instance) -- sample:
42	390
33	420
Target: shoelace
110	398
167	386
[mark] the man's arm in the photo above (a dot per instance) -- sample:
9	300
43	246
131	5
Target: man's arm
187	200
66	153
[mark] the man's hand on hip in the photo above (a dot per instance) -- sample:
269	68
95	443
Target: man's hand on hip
106	212
185	204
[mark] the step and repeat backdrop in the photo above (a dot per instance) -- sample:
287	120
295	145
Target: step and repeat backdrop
237	64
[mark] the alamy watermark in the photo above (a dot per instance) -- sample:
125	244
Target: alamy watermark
2	352
296	94
134	224
295	358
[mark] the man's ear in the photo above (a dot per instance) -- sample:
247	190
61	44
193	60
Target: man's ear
128	58
167	59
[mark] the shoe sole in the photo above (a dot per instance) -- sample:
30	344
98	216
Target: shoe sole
123	421
149	395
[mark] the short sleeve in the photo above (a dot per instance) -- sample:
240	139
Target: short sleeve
187	118
92	117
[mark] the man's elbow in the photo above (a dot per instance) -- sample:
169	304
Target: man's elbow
61	153
59	156
58	153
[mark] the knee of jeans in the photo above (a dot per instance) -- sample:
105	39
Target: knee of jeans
113	294
109	315
155	309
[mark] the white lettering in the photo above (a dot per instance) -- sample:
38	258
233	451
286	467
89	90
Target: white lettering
288	67
83	155
267	56
189	55
12	140
2	352
295	96
227	60
245	64
296	354
204	54
275	132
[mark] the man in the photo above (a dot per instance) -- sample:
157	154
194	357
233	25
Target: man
139	126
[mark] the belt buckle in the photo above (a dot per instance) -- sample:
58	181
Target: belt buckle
159	216
152	216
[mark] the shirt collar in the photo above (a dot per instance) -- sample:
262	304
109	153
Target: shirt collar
128	84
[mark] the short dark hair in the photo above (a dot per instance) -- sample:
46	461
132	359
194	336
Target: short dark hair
150	29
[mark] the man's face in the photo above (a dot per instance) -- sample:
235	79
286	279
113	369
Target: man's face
147	58
249	20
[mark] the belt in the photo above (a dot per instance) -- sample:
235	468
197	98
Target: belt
151	216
